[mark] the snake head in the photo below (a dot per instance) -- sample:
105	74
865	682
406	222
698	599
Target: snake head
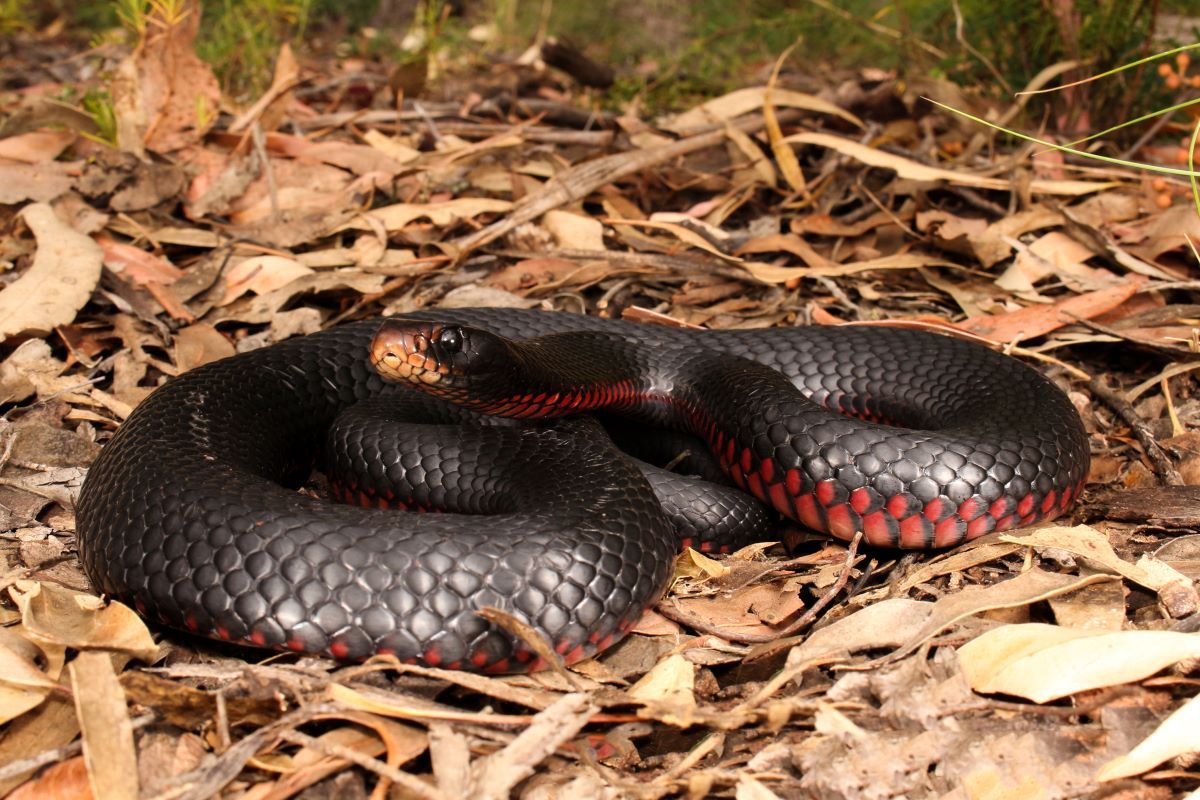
460	363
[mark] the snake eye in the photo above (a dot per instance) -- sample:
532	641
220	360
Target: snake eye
451	339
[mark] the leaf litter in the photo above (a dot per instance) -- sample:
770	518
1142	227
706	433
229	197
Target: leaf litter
1050	662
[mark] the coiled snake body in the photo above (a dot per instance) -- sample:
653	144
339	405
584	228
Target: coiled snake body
191	514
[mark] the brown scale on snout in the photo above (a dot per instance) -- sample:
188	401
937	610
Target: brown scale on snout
401	352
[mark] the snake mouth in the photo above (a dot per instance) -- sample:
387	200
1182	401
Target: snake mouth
401	352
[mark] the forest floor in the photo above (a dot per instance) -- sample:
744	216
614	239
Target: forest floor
1049	661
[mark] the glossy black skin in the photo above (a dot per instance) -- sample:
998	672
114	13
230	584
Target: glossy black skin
188	514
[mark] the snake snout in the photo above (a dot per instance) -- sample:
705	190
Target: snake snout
400	352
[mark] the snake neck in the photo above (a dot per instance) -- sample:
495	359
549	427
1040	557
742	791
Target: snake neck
570	373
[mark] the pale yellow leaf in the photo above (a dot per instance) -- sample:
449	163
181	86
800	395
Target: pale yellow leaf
1178	735
743	101
914	170
574	231
1045	662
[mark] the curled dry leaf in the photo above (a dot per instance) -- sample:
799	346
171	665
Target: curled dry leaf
58	283
670	687
24	681
694	564
60	616
1045	662
1089	543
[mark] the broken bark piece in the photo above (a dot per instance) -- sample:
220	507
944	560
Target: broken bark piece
1167	506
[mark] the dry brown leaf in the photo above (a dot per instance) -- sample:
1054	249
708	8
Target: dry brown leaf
770	273
1045	662
574	231
360	159
1178	735
393	148
743	101
107	732
669	688
396	217
1029	587
199	344
52	724
23	683
36	147
66	780
697	566
136	265
39	182
747	611
994	243
261	275
686	235
1089	543
60	281
1033	321
59	616
31	368
750	788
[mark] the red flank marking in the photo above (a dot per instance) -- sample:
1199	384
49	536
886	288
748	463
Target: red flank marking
913	530
807	513
754	483
575	656
779	497
479	658
933	509
792	481
1048	503
432	657
258	637
999	508
747	460
767	468
897	506
946	533
497	668
294	645
824	491
876	529
1026	505
339	649
969	509
841	521
860	500
979	526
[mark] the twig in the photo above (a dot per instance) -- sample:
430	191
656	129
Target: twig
411	783
1163	468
